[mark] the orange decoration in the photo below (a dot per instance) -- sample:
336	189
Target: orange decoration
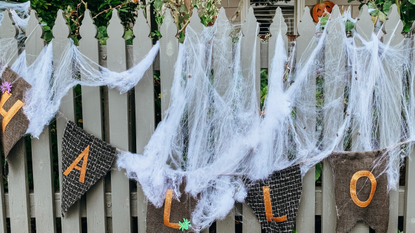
322	9
353	183
268	207
167	209
7	116
83	155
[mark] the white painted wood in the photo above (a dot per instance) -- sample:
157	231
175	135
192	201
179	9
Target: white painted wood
18	178
144	106
195	23
305	216
249	42
41	149
392	29
92	123
409	206
364	27
8	32
332	91
168	56
118	126
227	224
72	221
277	27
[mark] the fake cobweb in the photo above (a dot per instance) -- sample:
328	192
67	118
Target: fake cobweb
50	84
213	134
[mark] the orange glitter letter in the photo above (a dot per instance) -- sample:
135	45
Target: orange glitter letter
268	207
353	183
84	155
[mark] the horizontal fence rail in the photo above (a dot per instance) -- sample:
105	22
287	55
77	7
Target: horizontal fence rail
116	204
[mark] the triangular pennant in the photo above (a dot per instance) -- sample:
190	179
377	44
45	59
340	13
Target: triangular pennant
14	122
361	189
174	215
85	160
275	200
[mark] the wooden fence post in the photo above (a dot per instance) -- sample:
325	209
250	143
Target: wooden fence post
393	28
18	178
118	126
249	39
92	123
306	212
41	148
168	55
333	91
364	27
144	106
72	220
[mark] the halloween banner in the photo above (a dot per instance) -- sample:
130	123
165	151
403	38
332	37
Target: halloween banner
174	215
275	200
361	189
14	122
85	160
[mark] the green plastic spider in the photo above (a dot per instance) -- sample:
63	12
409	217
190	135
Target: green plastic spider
184	225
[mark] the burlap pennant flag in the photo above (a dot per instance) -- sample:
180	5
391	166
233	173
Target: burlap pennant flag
14	122
175	214
85	160
275	200
361	189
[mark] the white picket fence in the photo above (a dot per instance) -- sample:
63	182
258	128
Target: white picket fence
115	204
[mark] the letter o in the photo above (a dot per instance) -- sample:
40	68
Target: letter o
353	183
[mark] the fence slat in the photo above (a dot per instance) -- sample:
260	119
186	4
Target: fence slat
249	39
333	90
144	106
118	126
393	28
409	206
72	221
6	31
41	149
278	26
364	27
168	56
305	217
92	122
18	178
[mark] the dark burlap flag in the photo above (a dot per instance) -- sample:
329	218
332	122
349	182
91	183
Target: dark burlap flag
13	120
174	216
275	200
85	159
361	189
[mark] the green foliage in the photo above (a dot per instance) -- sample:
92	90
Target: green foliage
381	8
319	169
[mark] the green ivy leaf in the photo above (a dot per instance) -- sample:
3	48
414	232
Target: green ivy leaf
318	171
349	25
374	12
370	5
183	8
158	4
407	28
412	2
386	7
382	16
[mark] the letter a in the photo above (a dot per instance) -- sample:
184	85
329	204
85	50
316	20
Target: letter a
167	209
268	207
7	116
83	155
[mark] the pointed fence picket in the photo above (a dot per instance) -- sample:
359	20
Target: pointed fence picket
128	120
